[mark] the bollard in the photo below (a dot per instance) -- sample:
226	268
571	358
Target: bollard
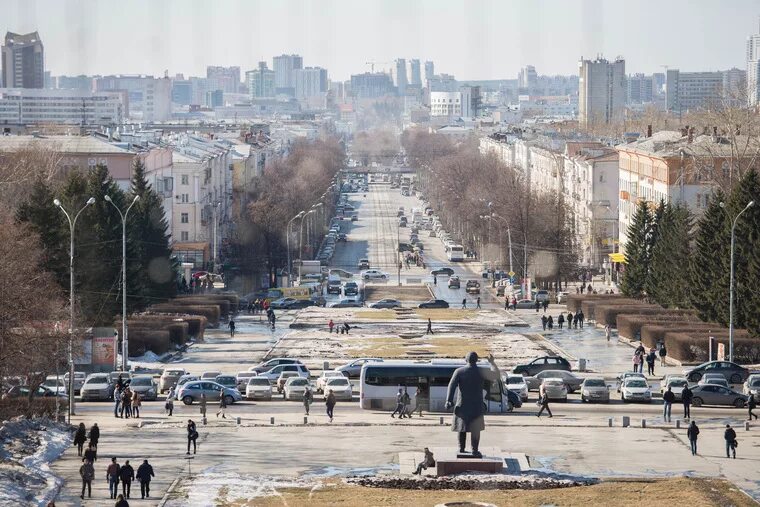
746	425
271	420
325	365
626	421
237	421
440	421
306	419
204	420
643	423
678	423
609	422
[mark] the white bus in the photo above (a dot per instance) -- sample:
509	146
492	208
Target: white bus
379	384
455	253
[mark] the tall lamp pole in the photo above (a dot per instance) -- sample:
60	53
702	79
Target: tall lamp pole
300	232
494	216
214	250
287	240
124	335
72	224
731	285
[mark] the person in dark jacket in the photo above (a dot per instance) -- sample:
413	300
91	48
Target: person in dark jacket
544	320
751	405
560	320
94	435
581	318
112	476
730	437
663	353
144	475
692	434
576	318
222	407
399	405
651	358
121	502
90	454
543	400
427	462
686	396
87	472
330	404
550	323
126	475
569	320
80	438
668	397
192	435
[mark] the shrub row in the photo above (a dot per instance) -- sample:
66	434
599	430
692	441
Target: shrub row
629	324
693	347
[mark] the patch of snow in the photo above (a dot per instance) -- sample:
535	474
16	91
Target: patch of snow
220	488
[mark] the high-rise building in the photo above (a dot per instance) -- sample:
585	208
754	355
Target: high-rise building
401	80
601	90
215	98
416	77
149	97
284	67
261	82
23	61
640	89
80	82
310	82
527	78
71	107
688	91
753	69
370	85
226	79
735	87
182	91
429	70
443	83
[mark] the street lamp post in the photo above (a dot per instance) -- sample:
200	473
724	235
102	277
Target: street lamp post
300	233
124	336
214	250
287	240
731	283
72	224
493	216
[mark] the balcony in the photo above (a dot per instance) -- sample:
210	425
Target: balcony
624	195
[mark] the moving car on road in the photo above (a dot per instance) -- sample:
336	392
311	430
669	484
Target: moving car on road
341	388
191	392
97	387
434	303
386	303
258	388
454	282
709	394
145	386
372	274
300	304
354	368
472	287
543	363
363	264
442	271
350	289
282	303
595	390
526	304
732	372
636	389
346	303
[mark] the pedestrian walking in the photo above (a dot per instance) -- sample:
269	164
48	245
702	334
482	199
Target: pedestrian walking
692	433
545	305
429	327
663	353
560	320
651	358
607	331
730	437
346	327
751	405
87	473
136	404
330	404
427	462
126	403
435	280
576	318
222	407
144	475
169	405
330	325
308	398
80	437
686	396
192	435
399	405
569	320
423	398
538	305
636	361
464	303
94	436
544	321
117	402
581	317
543	402
478	303
668	397
550	322
506	303
514	304
407	402
203	405
126	475
90	454
112	476
121	502
231	325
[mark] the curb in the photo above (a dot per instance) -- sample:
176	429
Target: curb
169	491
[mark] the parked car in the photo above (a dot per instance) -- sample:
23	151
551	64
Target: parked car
636	389
542	295
354	368
300	304
625	376
517	384
708	394
595	390
346	303
210	375
526	304
372	274
145	386
715	379
274	373
125	376
184	379
341	388
562	297
191	392
55	383
472	287
543	363
732	372
97	387
19	391
242	379
752	386
350	289
282	303
676	385
442	271
327	375
169	378
279	384
258	388
555	388
271	363
386	303
454	282
79	377
229	381
434	303
363	264
344	275
294	388
572	382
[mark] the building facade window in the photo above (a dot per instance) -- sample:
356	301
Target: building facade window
185	218
185	179
184	236
185	198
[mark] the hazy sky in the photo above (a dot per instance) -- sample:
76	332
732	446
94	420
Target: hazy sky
472	39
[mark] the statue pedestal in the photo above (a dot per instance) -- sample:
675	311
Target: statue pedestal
449	461
459	465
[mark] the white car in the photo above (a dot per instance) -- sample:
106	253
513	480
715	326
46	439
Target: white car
752	386
373	274
517	384
629	374
258	388
79	377
636	389
715	379
55	383
97	386
274	373
184	379
283	379
341	388
210	375
327	375
295	387
676	385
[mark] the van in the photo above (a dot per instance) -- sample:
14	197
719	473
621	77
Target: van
333	284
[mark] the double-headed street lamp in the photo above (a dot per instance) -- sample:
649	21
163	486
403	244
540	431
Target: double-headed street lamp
300	231
287	240
72	224
494	216
124	336
731	284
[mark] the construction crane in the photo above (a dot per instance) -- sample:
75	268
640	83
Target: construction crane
372	64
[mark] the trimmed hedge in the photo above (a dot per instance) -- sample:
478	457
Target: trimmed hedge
223	303
589	305
652	334
210	312
574	301
608	314
693	347
629	324
143	339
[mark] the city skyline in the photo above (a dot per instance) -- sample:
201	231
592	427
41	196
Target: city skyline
341	36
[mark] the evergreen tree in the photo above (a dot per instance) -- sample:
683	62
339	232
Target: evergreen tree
156	280
709	279
637	252
657	218
668	279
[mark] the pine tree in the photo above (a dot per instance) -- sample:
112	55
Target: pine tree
709	279
149	235
668	279
637	252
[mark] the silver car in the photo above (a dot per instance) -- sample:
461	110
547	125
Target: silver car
595	390
555	388
191	392
145	386
709	394
572	382
258	388
97	387
752	387
169	378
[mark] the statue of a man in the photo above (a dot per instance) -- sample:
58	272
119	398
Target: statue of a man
470	381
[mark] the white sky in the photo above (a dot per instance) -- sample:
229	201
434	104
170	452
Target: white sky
472	39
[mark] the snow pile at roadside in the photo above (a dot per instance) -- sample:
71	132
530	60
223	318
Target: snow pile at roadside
27	447
221	488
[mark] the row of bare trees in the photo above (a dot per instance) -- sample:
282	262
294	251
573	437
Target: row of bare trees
466	187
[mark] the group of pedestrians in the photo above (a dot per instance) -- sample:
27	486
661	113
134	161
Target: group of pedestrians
126	402
123	474
342	329
477	303
256	306
404	402
640	356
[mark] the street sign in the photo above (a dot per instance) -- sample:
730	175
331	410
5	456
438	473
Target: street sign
721	352
511	274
